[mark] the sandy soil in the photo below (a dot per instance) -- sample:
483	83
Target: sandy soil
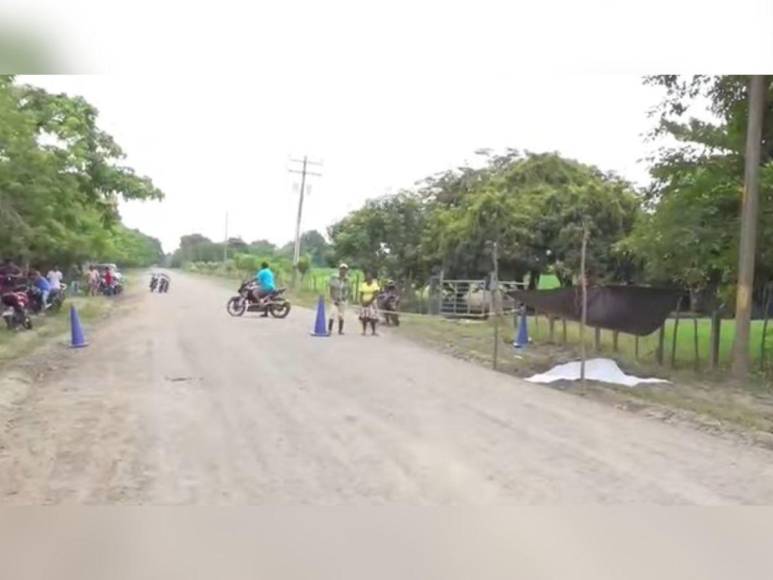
178	403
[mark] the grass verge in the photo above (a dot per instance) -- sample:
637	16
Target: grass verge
51	329
704	399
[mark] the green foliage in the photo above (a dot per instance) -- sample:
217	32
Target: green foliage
304	264
534	206
689	234
385	235
60	181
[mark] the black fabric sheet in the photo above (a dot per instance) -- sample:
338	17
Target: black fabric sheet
632	309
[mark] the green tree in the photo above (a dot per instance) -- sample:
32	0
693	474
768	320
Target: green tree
689	234
384	235
60	178
535	206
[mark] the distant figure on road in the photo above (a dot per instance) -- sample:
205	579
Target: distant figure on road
339	294
369	290
265	278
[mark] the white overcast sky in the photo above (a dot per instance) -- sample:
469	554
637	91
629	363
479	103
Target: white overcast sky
212	99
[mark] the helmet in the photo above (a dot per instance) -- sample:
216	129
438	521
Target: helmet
343	266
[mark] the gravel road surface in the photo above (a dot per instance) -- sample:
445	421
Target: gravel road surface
175	402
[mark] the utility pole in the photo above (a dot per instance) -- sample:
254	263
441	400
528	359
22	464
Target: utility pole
495	303
225	241
304	171
584	311
758	90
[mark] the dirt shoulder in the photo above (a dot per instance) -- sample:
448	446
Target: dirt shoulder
28	355
702	400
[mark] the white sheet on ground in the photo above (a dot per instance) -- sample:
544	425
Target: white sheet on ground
596	369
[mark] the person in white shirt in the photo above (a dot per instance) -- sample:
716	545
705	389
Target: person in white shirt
55	277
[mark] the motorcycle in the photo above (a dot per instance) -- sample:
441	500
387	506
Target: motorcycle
55	300
159	282
16	310
246	301
388	304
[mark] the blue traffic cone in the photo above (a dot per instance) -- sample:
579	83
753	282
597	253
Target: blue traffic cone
319	326
78	340
522	339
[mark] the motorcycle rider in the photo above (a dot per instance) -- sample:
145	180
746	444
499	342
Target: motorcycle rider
265	279
43	287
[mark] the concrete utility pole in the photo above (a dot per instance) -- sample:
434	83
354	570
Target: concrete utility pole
304	171
584	311
225	242
758	91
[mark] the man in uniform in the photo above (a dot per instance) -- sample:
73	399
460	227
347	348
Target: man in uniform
339	294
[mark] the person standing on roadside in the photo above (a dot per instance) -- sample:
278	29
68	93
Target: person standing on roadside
54	278
339	294
74	277
93	280
108	281
369	290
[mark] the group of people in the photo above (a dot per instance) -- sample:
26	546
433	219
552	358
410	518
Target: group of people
339	291
12	277
369	291
96	281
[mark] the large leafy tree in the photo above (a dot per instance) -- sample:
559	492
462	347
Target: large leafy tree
60	178
385	235
536	207
689	234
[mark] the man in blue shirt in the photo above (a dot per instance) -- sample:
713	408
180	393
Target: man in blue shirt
265	278
43	286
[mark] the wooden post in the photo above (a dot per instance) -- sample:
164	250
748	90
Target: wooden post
584	316
716	329
676	330
695	342
615	336
552	328
563	330
661	340
636	346
759	86
766	302
597	339
494	294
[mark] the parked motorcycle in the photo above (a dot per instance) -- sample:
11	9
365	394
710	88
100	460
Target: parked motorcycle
246	301
389	304
16	310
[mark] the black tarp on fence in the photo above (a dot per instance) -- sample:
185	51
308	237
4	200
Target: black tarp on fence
632	309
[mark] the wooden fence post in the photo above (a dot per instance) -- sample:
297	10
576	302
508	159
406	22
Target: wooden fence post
552	328
676	330
716	329
615	336
563	330
766	301
636	346
695	342
661	340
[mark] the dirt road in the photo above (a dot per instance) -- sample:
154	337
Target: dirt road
178	403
